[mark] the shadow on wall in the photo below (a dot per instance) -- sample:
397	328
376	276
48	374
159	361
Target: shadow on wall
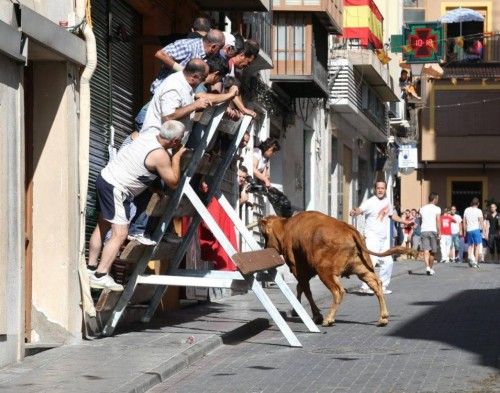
470	320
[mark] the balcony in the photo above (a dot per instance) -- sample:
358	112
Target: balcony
473	51
329	12
356	102
375	73
258	26
299	46
235	5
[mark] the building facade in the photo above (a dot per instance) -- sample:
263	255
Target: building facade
361	88
458	132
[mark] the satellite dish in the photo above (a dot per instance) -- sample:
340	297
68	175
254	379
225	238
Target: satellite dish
406	171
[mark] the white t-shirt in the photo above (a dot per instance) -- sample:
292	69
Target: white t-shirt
173	92
455	226
377	216
471	218
429	213
262	161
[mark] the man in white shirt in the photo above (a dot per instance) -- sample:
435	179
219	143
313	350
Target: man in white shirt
473	223
378	211
430	231
456	234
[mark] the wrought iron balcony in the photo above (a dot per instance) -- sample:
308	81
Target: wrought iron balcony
258	26
329	12
472	50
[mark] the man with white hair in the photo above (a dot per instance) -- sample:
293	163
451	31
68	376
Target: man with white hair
126	176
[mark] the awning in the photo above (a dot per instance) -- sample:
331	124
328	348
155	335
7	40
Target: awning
10	42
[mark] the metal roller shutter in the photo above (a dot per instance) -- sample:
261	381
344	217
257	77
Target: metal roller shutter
114	87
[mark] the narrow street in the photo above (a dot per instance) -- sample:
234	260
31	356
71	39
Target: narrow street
443	336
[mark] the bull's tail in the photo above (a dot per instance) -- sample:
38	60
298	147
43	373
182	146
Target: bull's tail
390	251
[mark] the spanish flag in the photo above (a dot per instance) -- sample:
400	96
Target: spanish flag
363	20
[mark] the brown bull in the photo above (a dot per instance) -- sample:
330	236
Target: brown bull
314	243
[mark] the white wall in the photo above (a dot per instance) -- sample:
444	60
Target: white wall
305	184
11	213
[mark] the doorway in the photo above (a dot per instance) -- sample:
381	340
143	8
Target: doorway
308	170
462	192
28	200
346	182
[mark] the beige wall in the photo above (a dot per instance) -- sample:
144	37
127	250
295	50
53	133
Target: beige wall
55	196
461	149
415	188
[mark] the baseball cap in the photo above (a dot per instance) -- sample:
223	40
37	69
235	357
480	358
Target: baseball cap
230	40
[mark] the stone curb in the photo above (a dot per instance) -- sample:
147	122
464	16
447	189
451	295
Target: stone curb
186	358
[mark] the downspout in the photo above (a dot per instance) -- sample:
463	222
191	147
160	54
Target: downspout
83	12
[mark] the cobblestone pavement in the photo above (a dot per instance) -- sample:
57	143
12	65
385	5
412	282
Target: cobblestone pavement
443	336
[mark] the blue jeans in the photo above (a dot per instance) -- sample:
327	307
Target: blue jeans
139	119
139	222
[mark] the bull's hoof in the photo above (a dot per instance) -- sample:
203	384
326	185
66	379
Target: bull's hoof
293	313
318	319
382	322
328	323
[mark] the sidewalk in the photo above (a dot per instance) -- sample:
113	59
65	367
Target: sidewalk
141	357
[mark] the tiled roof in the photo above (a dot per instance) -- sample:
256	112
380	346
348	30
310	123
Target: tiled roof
472	71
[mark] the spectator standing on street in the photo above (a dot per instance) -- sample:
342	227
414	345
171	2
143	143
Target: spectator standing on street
431	230
493	219
378	212
445	241
416	239
473	222
457	232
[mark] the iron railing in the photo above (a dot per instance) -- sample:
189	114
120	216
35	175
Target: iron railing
258	26
473	49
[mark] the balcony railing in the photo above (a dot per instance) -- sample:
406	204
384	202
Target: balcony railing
258	26
328	11
473	50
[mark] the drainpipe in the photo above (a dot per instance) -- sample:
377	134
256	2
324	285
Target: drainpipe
83	12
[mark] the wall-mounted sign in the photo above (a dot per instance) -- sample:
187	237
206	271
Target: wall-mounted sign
422	42
408	156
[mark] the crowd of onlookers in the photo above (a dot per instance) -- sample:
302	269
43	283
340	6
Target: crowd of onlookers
200	70
454	244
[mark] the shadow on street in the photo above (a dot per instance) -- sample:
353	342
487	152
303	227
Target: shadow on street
469	320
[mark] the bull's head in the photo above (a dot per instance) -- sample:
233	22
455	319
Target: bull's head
272	228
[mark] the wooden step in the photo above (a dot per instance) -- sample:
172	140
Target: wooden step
256	261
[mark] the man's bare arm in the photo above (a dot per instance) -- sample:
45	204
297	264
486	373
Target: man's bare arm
395	217
184	111
241	106
438	224
218	98
168	168
168	60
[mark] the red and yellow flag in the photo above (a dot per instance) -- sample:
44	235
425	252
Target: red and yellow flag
363	20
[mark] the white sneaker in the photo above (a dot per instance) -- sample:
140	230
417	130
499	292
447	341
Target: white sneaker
387	291
430	272
90	272
104	282
142	239
366	291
